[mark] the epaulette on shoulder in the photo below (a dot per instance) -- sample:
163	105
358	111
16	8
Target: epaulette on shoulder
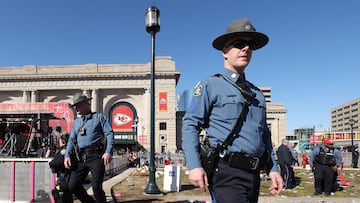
216	75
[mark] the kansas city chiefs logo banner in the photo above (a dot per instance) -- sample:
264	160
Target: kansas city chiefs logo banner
122	118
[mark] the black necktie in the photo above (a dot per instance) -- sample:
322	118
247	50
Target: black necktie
241	82
246	92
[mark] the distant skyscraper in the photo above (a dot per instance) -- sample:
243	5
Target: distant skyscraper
341	115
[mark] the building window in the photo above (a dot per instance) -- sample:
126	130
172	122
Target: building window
162	126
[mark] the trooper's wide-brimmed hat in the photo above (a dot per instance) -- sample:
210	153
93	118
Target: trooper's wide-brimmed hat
238	28
78	98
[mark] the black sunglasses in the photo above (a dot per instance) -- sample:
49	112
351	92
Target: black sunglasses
239	44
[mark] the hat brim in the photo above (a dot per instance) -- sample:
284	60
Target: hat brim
260	39
88	99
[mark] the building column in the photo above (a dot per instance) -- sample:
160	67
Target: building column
94	101
146	115
86	92
34	95
26	96
278	131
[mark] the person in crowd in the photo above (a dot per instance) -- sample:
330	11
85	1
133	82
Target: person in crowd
90	146
355	154
44	151
57	133
326	161
61	191
215	107
285	160
294	154
304	160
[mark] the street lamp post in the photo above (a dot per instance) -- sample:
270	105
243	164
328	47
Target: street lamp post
152	22
351	123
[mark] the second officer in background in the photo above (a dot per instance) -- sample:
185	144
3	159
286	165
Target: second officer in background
91	140
326	161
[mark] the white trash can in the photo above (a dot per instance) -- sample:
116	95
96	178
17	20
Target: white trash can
172	178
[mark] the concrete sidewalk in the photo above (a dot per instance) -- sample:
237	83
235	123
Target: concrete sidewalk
108	184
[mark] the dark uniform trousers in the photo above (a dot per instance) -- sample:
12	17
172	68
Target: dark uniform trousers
95	164
323	175
288	176
63	195
230	184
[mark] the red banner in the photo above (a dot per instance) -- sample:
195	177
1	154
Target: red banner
143	139
122	119
316	139
63	114
163	101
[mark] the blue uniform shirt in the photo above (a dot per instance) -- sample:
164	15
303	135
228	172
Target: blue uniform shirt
97	128
316	151
216	104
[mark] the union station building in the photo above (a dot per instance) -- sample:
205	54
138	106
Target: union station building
39	96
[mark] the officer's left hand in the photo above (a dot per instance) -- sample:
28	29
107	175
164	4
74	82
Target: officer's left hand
276	183
107	158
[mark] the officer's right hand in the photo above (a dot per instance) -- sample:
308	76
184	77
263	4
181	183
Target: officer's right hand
276	182
198	177
67	163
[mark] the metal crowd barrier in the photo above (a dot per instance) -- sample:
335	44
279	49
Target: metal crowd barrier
31	180
175	158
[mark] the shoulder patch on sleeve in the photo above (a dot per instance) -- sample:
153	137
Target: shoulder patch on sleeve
197	90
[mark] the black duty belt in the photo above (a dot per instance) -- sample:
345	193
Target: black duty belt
241	161
92	150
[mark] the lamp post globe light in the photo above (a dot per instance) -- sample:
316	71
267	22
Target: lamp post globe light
351	123
152	23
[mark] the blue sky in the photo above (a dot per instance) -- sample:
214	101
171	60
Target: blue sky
311	62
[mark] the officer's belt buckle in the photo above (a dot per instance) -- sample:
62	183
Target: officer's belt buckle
83	157
241	161
255	162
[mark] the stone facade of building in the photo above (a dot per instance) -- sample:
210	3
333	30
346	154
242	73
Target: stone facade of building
109	85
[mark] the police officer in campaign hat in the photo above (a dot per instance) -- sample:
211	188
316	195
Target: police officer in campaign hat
326	160
216	105
89	149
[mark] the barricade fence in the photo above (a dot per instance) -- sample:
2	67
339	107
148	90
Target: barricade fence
174	158
31	180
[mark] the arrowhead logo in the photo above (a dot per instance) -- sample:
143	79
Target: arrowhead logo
122	119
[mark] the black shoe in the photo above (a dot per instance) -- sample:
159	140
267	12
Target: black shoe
327	193
317	193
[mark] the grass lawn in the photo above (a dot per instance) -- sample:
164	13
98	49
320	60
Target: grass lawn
132	188
306	186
